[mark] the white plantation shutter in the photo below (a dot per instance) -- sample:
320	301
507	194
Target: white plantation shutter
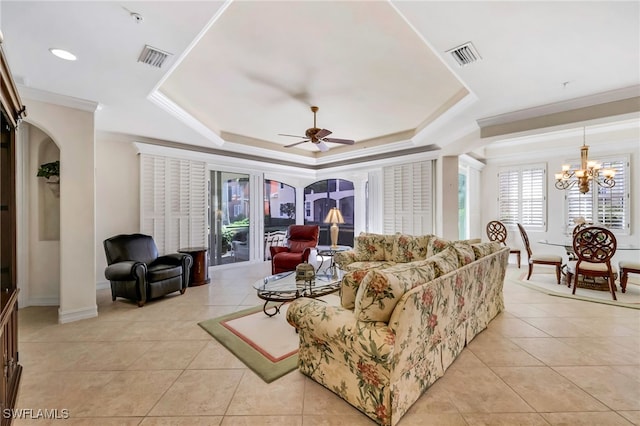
533	198
173	202
407	198
606	206
522	196
153	199
509	199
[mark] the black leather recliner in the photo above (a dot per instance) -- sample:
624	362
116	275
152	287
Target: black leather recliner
137	272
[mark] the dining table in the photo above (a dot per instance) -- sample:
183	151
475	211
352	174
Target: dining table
567	243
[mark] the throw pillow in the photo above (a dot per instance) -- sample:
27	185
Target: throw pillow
465	252
369	247
436	245
407	248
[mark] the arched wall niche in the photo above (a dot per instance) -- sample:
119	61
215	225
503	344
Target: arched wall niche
48	194
43	221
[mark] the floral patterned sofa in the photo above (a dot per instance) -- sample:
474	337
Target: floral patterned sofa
408	323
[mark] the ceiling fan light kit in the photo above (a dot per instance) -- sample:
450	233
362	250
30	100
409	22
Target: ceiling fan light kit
317	136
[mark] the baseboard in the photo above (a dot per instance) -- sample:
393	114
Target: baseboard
77	314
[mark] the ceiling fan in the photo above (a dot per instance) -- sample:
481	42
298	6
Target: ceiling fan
317	136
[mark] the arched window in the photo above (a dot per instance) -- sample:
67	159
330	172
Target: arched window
279	206
279	213
320	197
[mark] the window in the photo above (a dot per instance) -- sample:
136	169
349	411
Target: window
522	196
408	198
173	202
462	205
605	206
279	206
321	196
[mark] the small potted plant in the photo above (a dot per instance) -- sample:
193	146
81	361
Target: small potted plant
51	172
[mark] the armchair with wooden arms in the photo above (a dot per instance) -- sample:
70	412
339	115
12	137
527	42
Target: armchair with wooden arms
300	240
138	273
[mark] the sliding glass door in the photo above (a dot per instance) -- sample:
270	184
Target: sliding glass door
230	218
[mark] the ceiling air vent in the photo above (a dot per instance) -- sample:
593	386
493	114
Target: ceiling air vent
152	56
465	54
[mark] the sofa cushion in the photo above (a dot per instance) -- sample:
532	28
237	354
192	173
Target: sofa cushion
380	290
465	252
349	287
378	264
436	245
343	258
370	246
445	261
407	248
485	249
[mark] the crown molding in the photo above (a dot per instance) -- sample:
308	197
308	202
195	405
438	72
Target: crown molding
172	108
608	104
57	99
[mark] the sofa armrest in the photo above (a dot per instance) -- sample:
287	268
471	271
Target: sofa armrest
177	259
334	324
320	318
278	249
128	270
343	258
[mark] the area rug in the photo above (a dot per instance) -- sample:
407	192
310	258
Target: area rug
267	345
546	283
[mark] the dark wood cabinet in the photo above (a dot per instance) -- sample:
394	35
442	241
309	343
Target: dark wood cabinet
200	267
12	112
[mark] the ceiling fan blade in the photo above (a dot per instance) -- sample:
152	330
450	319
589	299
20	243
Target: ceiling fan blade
343	141
297	143
322	133
291	136
322	146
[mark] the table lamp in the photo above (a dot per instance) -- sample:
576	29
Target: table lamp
334	217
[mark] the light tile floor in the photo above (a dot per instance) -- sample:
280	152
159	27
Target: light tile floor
545	360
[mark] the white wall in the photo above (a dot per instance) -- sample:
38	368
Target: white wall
73	130
117	194
554	150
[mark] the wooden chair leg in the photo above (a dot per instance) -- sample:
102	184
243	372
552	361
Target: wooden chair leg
530	271
558	267
518	255
623	280
612	287
569	276
575	283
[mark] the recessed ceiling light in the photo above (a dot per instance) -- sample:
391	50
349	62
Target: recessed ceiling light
63	54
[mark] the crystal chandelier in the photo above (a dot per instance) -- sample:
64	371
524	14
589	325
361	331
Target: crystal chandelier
589	171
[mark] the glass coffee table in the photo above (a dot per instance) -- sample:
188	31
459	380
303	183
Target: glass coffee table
282	288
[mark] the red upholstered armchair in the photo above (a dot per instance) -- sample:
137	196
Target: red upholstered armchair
299	242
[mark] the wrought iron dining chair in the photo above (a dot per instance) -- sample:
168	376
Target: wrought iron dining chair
540	259
594	246
496	231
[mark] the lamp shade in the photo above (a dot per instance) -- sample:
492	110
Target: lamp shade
334	216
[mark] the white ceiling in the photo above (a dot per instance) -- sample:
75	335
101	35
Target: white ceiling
242	72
